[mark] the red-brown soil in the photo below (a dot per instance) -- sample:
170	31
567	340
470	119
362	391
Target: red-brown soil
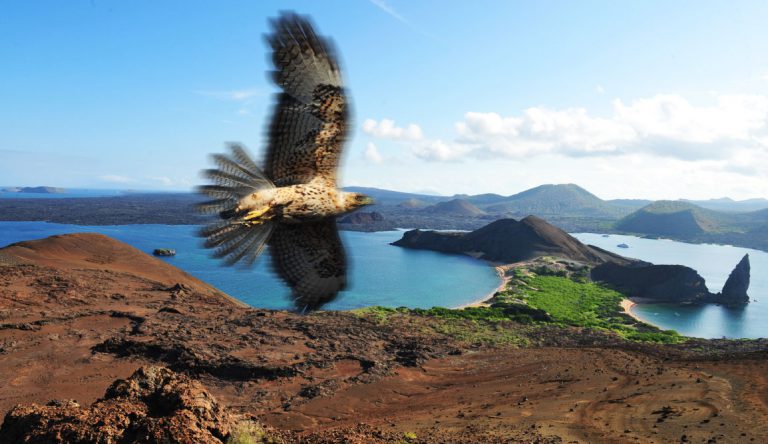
78	312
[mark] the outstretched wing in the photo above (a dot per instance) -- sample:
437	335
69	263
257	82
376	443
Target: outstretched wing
309	123
310	258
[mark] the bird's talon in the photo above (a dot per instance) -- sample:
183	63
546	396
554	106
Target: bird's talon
254	214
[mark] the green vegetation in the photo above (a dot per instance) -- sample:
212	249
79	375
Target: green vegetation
473	325
586	304
543	294
250	432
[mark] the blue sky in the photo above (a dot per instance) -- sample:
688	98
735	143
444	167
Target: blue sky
628	99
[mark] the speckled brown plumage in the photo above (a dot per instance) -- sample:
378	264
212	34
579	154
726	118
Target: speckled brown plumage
294	202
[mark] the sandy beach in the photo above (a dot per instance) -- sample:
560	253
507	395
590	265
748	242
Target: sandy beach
627	305
501	271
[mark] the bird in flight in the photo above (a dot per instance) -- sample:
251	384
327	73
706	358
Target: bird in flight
292	204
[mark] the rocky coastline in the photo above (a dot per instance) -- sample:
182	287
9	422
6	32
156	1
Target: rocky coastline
508	241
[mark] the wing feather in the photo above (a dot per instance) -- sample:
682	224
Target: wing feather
310	258
310	118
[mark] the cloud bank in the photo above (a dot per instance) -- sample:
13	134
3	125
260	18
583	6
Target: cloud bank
732	127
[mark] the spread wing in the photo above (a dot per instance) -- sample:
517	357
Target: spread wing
309	123
310	258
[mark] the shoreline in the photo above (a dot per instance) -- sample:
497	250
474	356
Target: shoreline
482	302
627	305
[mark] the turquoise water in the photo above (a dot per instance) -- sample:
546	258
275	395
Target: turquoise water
380	274
714	263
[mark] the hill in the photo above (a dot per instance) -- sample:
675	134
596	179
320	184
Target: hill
509	240
728	204
546	200
455	207
671	218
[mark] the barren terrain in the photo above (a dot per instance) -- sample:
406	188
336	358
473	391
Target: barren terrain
79	311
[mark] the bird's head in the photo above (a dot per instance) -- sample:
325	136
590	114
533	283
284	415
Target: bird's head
353	201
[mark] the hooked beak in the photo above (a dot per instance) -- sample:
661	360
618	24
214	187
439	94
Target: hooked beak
367	201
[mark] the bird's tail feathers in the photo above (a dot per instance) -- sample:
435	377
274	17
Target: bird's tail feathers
240	235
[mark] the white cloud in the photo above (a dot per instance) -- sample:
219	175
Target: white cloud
440	151
115	178
541	131
386	129
732	117
663	125
372	153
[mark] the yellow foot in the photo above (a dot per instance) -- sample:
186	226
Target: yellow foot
255	214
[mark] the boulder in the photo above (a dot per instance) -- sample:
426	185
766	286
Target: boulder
154	405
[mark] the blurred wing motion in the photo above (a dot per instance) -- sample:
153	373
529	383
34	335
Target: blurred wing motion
309	124
306	137
311	259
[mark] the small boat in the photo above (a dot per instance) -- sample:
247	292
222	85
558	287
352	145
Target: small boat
606	235
164	252
623	246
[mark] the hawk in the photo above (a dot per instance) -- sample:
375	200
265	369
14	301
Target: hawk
293	203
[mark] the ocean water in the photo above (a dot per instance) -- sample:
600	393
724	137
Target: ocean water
69	193
380	274
714	263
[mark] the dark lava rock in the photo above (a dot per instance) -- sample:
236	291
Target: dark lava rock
735	289
154	405
663	283
509	240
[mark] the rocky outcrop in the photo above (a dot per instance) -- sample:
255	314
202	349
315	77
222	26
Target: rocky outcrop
509	240
154	405
676	284
735	289
164	252
664	283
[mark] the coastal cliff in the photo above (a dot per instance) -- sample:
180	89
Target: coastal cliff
661	283
675	284
509	240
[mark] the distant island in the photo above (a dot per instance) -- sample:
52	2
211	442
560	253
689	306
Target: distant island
34	190
515	245
688	222
566	206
